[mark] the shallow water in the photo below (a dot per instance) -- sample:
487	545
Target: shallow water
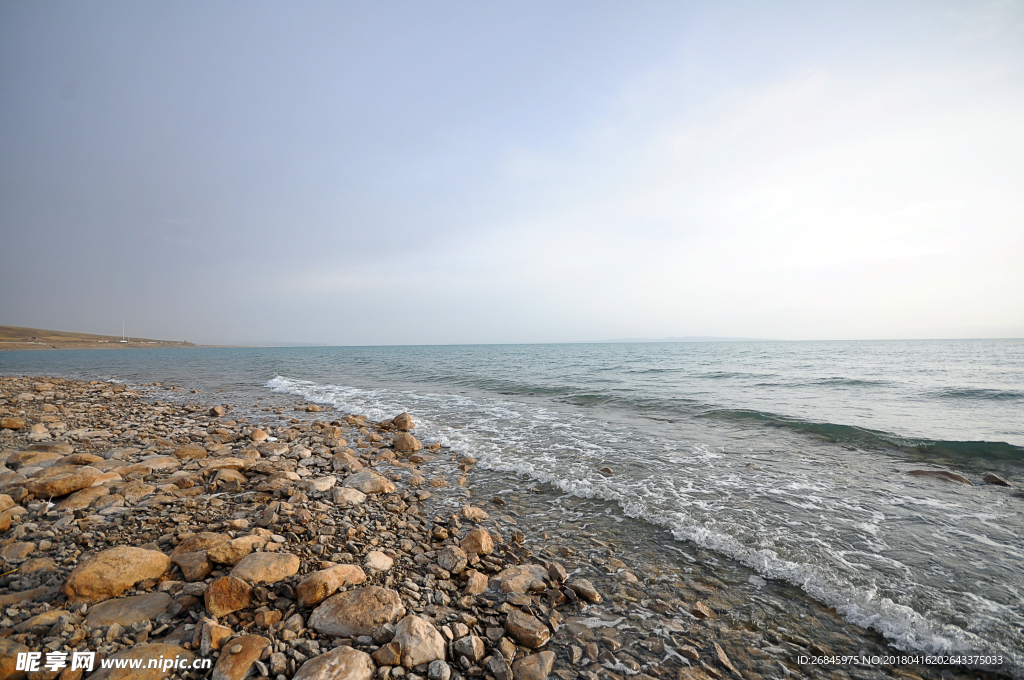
788	458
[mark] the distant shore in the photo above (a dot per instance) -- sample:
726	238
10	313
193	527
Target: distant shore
17	338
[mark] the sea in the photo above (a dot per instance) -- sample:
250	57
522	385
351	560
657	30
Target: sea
785	463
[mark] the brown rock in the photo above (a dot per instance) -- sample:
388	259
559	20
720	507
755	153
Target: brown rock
6	502
419	641
9	650
478	541
320	585
210	636
452	559
231	552
534	667
369	483
113	571
266	567
345	497
470	646
128	610
990	478
357	612
702	611
217	411
195	566
200	541
66	481
389	655
724	660
403	422
585	589
237	659
521	578
341	663
80	500
476	583
16	553
227	594
406	443
12	423
527	630
267	617
190	452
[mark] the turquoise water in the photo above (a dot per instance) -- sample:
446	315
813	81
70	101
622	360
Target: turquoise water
791	458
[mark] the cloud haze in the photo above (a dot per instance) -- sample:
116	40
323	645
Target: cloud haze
517	172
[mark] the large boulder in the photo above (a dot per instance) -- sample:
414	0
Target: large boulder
266	567
406	443
320	585
112	572
357	612
478	541
369	482
67	480
403	422
127	611
419	641
341	663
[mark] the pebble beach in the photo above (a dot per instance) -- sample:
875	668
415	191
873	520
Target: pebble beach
321	545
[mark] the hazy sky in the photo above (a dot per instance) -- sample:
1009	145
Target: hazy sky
440	172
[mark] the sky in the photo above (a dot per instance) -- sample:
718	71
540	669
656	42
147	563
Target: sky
505	172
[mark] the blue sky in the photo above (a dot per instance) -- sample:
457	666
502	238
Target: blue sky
381	173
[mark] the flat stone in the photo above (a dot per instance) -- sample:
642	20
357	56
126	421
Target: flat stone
67	481
318	484
80	500
357	612
9	651
341	663
345	497
369	483
190	452
237	660
113	571
320	585
231	552
201	541
521	578
16	553
378	561
266	567
128	610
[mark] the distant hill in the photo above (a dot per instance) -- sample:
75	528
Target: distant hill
14	337
690	338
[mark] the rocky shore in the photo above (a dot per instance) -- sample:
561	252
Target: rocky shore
324	546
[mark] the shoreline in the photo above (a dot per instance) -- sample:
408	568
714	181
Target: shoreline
181	474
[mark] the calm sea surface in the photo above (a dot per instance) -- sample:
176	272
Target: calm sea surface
790	458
